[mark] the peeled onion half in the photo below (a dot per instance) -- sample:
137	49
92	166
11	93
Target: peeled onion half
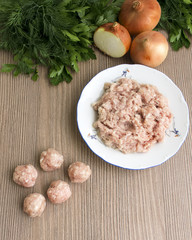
112	39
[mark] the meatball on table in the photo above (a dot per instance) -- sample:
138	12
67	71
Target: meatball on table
91	200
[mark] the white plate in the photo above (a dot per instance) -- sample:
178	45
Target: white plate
160	152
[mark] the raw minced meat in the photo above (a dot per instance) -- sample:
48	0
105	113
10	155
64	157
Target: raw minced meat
25	175
132	116
34	204
58	192
51	160
79	172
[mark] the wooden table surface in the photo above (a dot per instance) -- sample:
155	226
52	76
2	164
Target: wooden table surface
114	204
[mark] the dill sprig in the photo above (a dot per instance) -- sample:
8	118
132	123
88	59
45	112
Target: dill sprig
54	33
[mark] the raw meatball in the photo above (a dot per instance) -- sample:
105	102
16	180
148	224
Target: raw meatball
34	204
59	191
79	172
51	160
25	175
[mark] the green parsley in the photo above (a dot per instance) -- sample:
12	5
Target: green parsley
176	20
54	33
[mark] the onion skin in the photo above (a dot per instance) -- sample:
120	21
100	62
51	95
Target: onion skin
149	48
118	33
139	15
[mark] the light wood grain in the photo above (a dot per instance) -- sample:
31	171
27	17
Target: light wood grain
115	204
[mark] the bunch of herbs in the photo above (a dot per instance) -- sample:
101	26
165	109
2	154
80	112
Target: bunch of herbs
54	33
176	20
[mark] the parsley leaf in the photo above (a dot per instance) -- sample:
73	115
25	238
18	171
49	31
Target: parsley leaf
176	20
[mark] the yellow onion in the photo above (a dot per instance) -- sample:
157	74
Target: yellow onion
149	48
113	39
139	15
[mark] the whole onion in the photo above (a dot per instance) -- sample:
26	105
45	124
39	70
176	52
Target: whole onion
139	15
149	48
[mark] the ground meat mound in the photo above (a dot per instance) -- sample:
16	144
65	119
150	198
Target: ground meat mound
131	116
